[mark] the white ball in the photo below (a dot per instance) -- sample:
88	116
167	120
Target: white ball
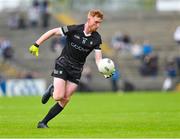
106	66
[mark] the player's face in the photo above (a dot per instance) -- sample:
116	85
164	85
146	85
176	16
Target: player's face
94	23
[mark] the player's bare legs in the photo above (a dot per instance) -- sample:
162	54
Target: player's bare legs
63	90
70	89
59	89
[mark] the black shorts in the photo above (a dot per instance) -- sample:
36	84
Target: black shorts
67	70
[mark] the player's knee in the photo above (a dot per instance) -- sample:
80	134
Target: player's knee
58	97
66	99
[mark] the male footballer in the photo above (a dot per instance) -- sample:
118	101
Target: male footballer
81	41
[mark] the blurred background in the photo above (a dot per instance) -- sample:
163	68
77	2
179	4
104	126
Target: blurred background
142	37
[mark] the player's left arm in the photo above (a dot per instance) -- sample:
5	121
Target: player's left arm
98	56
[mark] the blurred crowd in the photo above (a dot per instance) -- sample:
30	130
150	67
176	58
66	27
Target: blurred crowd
6	49
123	43
37	15
149	59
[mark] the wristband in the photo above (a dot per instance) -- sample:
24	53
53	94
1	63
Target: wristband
35	44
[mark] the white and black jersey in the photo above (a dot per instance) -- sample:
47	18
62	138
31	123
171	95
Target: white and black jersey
69	65
79	44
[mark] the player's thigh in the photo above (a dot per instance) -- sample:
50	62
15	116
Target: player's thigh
70	88
59	88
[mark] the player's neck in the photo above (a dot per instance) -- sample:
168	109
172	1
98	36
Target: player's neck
87	31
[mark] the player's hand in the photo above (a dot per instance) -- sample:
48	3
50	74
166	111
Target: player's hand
109	76
34	50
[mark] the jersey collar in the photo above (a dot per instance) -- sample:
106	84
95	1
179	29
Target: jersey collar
87	35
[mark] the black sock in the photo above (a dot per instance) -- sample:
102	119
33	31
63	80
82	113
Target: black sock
52	90
55	110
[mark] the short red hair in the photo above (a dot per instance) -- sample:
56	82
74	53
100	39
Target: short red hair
96	13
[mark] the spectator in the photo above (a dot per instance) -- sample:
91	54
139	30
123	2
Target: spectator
29	75
1	49
2	84
22	21
57	44
136	51
127	42
177	62
45	13
147	48
117	41
36	3
170	71
114	80
7	50
121	42
34	14
13	20
177	35
149	65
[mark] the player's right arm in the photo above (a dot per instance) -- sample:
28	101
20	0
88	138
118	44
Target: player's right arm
34	49
49	34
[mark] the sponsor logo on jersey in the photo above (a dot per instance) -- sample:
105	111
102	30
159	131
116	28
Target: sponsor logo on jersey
76	36
79	47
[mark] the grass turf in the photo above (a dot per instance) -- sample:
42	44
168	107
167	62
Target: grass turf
96	115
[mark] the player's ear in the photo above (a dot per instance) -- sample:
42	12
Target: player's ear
89	16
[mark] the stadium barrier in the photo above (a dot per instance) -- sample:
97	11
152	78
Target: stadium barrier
22	87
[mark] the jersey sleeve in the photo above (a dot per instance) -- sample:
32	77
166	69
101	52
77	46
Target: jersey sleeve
97	47
66	30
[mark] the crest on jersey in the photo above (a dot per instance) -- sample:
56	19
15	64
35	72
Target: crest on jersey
84	40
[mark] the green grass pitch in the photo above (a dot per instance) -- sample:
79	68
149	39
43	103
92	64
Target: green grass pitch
95	115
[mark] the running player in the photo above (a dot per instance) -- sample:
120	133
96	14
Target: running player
81	41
